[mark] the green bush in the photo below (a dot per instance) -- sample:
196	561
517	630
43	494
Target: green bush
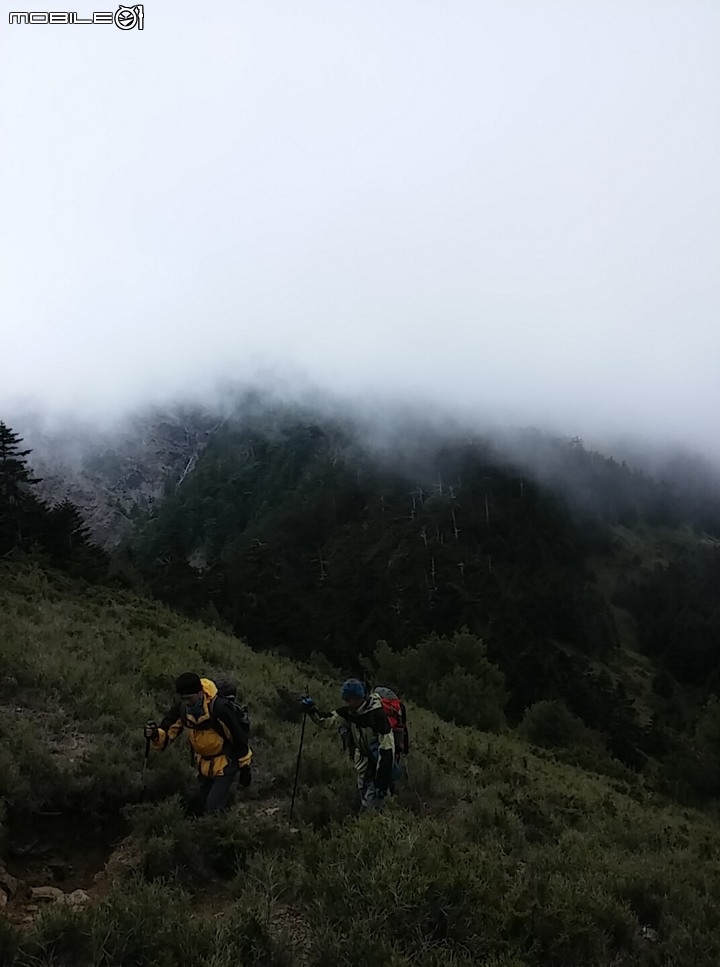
30	776
143	924
552	724
452	676
467	700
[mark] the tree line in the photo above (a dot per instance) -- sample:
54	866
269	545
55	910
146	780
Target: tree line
53	534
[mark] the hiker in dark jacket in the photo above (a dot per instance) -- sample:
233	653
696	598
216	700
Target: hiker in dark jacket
217	739
372	746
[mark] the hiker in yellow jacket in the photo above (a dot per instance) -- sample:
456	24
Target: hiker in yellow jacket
216	735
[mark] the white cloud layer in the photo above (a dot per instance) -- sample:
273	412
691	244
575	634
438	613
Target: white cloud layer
512	207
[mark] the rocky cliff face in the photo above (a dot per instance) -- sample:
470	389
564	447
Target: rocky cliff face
111	475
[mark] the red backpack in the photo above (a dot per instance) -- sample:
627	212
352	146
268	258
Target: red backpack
397	717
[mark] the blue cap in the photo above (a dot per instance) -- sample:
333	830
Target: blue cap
353	688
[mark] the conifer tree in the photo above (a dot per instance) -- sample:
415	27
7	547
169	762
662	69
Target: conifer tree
67	539
16	479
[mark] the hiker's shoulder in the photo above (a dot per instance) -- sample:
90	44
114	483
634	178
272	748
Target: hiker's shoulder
377	716
373	706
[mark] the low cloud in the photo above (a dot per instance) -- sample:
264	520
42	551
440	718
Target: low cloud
501	213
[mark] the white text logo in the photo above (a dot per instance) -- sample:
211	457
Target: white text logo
126	18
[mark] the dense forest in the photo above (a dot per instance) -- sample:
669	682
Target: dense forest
488	580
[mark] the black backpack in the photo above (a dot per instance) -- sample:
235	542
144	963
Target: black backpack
227	691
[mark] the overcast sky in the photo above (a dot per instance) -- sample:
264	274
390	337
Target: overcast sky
512	206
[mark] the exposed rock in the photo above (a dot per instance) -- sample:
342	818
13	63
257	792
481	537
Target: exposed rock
110	475
77	898
8	884
3	899
49	893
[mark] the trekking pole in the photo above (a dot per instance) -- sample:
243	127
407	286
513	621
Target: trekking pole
297	765
144	769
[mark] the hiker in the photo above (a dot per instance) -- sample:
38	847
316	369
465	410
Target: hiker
371	742
216	735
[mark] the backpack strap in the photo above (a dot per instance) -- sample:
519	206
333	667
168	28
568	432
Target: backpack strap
214	720
236	741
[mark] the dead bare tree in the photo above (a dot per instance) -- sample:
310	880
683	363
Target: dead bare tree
322	562
456	532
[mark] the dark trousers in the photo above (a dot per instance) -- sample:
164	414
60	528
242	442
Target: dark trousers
215	792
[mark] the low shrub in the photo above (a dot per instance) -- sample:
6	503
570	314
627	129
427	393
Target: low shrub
552	724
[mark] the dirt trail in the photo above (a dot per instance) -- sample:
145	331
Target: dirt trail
60	859
53	853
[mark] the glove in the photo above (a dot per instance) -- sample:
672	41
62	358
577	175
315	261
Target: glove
151	730
245	776
307	704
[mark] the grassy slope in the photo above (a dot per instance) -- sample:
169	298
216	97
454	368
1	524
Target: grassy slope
493	854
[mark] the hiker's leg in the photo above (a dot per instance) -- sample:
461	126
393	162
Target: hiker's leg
369	797
362	787
219	793
396	770
375	798
204	785
396	774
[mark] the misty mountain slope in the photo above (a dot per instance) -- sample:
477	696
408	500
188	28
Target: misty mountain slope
305	541
321	534
495	852
112	474
635	554
298	514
